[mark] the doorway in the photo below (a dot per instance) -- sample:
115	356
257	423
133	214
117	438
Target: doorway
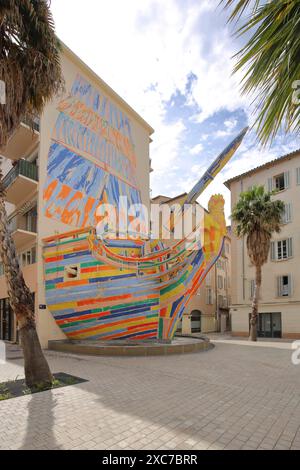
195	321
6	321
269	325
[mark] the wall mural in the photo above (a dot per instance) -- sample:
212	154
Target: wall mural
91	158
103	289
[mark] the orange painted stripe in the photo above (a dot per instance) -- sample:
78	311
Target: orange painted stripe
80	282
67	234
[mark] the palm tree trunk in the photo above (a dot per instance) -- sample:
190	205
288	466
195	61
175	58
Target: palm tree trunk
37	372
254	312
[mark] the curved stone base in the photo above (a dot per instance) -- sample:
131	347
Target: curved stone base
130	348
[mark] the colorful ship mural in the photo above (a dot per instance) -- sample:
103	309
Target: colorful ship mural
115	288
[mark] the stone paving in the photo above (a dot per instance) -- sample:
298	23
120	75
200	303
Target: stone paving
234	396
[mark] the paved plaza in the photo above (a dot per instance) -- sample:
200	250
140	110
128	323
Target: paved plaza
234	396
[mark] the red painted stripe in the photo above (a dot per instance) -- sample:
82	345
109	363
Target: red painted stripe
55	258
106	299
144	326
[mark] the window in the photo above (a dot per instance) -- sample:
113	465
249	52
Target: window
220	282
208	279
287	215
209	296
72	272
220	264
282	249
284	286
27	257
298	175
1	269
279	182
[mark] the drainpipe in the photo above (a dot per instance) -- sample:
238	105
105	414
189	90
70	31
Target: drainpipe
217	297
243	254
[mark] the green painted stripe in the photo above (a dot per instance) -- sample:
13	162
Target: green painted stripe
160	328
59	243
54	270
91	263
176	284
51	286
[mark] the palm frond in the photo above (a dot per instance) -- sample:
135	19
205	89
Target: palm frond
271	63
257	216
29	60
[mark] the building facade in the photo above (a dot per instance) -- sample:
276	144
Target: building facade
279	303
208	309
30	180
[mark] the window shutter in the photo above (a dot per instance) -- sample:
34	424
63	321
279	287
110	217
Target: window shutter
286	179
288	212
270	185
290	290
273	256
279	286
298	175
290	247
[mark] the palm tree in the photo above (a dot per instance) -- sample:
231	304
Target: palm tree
30	69
271	59
257	217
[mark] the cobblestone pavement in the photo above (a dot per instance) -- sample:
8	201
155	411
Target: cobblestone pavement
231	397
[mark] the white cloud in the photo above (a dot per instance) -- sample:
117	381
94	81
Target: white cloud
145	51
230	124
135	45
196	149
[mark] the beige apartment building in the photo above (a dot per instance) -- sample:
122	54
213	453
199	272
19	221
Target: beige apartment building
25	173
279	303
208	309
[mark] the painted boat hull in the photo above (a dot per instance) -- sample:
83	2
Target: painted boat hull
107	301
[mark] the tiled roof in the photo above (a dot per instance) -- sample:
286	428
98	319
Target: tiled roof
265	165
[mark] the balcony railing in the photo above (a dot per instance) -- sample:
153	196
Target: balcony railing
28	223
23	168
33	123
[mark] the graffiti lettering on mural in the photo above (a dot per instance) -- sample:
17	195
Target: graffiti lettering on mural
88	118
91	158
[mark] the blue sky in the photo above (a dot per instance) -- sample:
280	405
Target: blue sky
171	60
